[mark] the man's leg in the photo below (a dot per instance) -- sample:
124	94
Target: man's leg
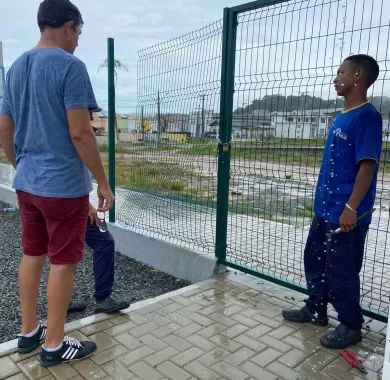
34	241
65	223
345	260
103	252
30	269
59	292
103	247
315	265
344	264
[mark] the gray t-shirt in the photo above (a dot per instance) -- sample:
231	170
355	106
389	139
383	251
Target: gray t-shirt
40	86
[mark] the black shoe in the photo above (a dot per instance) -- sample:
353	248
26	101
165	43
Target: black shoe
70	351
304	315
29	344
109	305
76	307
341	337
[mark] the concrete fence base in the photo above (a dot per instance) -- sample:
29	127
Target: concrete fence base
172	259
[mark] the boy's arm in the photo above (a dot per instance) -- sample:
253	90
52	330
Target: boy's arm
362	184
7	130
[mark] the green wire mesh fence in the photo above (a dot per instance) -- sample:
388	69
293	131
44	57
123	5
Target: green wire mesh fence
170	166
286	57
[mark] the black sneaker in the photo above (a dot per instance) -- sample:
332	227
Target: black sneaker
76	307
70	351
341	337
109	305
29	344
304	315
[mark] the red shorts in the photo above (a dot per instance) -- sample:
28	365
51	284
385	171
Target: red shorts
53	226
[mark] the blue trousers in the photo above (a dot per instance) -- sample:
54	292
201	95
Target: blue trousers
332	269
103	248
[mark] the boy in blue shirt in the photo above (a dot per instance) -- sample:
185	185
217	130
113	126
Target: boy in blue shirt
345	190
103	257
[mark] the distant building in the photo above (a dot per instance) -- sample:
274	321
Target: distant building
125	123
302	124
199	122
256	124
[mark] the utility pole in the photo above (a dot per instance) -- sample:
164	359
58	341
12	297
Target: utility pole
2	75
142	119
158	119
197	132
203	117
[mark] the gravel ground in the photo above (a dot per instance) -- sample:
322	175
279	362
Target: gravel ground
133	281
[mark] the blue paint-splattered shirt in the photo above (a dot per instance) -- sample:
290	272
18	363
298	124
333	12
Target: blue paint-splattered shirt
355	135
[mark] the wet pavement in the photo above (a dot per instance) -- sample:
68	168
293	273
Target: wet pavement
229	327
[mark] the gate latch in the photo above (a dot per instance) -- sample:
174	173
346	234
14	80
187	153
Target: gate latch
226	145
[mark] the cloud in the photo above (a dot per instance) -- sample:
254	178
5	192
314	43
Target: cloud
133	24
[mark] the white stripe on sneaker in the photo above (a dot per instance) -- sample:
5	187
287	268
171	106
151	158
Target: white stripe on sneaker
69	354
66	353
43	334
74	354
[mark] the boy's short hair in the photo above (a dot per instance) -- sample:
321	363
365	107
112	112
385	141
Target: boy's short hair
368	64
55	13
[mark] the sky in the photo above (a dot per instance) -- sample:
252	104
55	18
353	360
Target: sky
134	25
138	24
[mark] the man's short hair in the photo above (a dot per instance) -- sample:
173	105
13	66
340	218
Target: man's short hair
55	13
368	64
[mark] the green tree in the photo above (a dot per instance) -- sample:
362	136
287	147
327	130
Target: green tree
118	65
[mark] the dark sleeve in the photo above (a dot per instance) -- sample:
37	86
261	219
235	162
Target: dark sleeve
78	92
368	137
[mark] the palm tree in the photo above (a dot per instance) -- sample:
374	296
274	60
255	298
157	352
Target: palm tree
118	65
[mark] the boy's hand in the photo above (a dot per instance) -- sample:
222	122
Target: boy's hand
92	215
347	220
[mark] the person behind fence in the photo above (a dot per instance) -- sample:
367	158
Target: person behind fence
102	245
46	134
103	255
345	190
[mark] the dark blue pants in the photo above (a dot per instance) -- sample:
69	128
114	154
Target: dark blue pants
103	248
332	269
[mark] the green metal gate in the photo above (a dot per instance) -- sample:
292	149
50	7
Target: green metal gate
277	102
267	89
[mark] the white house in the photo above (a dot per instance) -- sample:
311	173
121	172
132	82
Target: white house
199	122
302	124
255	124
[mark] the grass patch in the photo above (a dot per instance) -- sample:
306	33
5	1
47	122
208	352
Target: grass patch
157	177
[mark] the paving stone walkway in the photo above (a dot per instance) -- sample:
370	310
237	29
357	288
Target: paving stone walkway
229	327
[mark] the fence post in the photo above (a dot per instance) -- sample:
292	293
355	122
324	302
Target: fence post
225	131
111	120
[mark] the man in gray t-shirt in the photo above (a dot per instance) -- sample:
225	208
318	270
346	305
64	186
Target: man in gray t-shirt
45	132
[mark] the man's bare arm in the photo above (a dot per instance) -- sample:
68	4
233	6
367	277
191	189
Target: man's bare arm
7	130
362	183
85	144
